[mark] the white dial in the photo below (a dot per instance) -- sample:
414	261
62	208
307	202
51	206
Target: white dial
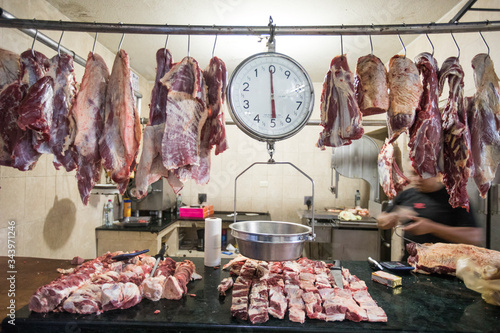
271	96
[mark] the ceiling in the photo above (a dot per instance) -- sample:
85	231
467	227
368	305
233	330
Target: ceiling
313	52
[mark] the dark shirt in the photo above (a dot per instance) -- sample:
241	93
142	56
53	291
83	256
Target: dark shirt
435	207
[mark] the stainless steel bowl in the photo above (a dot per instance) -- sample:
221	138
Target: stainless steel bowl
270	240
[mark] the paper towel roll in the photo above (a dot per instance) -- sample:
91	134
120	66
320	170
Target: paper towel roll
213	227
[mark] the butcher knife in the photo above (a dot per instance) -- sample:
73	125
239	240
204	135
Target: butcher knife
160	256
125	256
337	274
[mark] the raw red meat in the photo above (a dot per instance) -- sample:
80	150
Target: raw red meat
391	178
484	122
426	133
152	287
340	114
441	258
10	133
258	307
120	295
371	85
241	289
85	300
63	129
175	286
186	115
121	136
456	135
88	111
213	132
225	285
10	68
35	113
405	89
150	167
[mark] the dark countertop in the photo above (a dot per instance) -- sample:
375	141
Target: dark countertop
424	303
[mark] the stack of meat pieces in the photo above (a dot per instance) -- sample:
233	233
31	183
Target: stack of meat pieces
186	122
103	284
304	287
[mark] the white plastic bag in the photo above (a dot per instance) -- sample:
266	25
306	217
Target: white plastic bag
473	277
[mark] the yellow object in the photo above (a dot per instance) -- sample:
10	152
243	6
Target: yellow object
127	208
348	216
387	279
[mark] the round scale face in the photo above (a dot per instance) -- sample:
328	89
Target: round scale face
270	96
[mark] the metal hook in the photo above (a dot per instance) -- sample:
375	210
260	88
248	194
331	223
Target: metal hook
456	44
341	42
432	45
215	43
59	44
404	47
121	41
371	43
93	46
165	48
271	30
189	40
484	40
33	45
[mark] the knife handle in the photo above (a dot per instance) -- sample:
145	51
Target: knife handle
375	264
336	264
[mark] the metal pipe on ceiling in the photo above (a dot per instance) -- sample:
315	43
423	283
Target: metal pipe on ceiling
156	29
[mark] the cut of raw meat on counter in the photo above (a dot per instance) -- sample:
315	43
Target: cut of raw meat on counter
340	114
304	287
175	286
426	133
213	132
120	295
391	178
10	67
484	122
150	167
186	115
88	111
371	85
121	136
405	90
456	136
84	300
63	129
442	258
225	285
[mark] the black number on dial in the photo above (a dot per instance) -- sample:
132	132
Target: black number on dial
256	72
272	69
299	104
273	123
246	84
257	119
246	104
287	74
288	119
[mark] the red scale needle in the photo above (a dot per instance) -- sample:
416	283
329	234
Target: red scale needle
273	106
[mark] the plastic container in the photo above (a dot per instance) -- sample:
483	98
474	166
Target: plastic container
127	208
357	199
108	214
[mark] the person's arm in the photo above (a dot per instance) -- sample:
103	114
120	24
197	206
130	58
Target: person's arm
398	215
465	235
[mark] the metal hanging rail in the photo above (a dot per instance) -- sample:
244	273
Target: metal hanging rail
152	29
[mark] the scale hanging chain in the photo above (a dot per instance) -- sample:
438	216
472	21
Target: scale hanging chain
270	150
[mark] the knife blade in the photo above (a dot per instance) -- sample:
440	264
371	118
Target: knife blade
160	256
336	270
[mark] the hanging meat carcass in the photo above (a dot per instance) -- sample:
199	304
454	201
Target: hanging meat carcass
88	111
405	90
121	136
186	115
371	85
63	129
484	122
150	167
426	133
391	178
213	132
340	114
10	67
456	135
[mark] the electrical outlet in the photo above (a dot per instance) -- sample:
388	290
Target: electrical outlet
308	200
202	197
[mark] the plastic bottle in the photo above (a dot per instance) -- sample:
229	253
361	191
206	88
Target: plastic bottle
357	199
107	214
178	204
127	208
